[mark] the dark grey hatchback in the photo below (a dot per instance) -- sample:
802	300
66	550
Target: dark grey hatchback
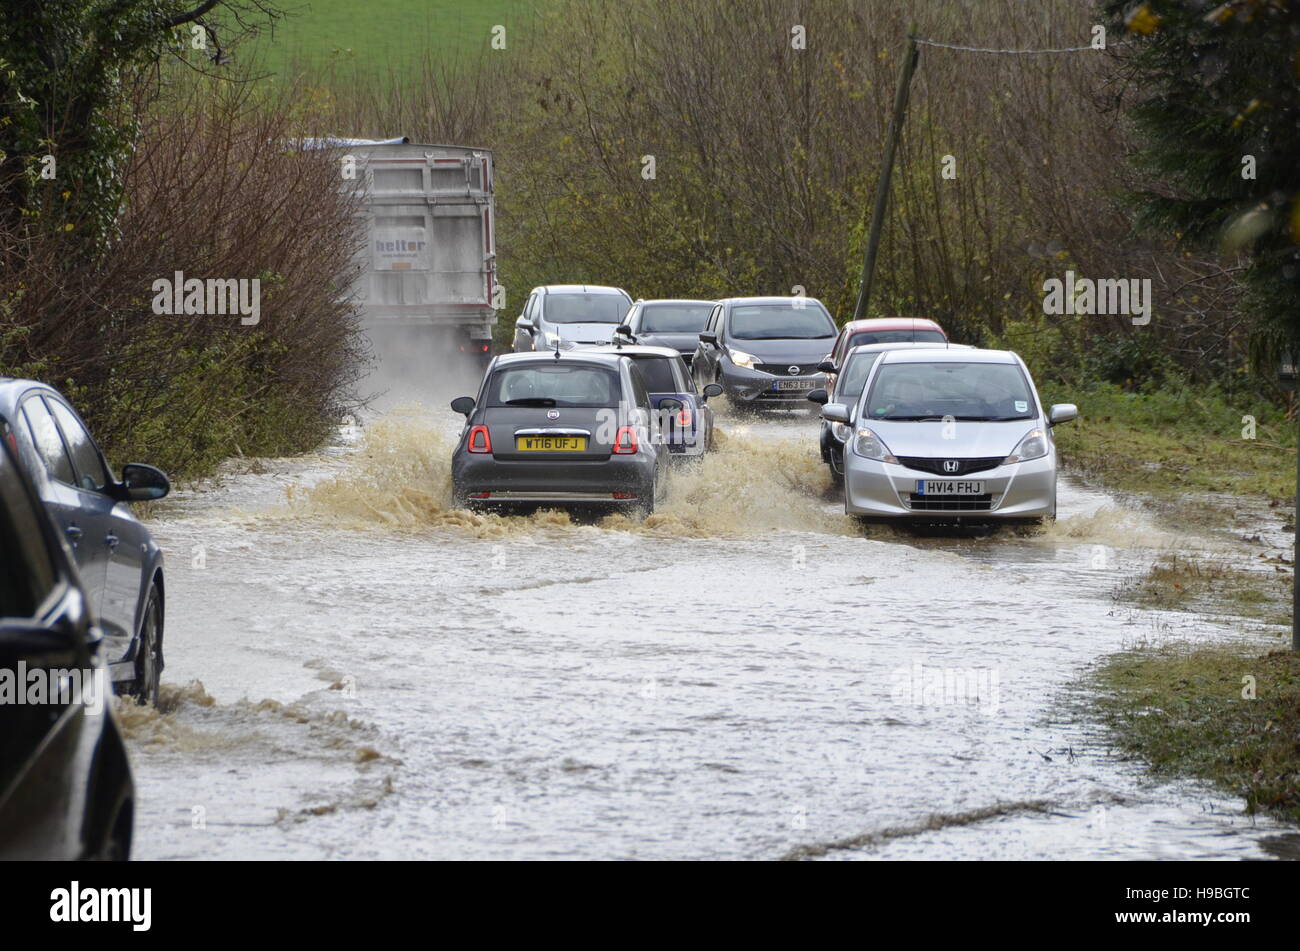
567	428
120	565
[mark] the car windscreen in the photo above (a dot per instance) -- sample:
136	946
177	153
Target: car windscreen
896	336
585	308
658	374
779	322
848	386
964	391
674	318
554	384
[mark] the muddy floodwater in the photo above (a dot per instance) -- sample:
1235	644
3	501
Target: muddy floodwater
355	671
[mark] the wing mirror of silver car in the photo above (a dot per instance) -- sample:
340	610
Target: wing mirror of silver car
141	483
626	331
708	337
819	396
712	389
826	366
523	323
1062	413
836	413
463	405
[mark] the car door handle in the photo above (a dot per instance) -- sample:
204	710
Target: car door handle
73	533
111	541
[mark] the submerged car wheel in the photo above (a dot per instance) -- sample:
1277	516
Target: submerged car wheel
148	653
836	465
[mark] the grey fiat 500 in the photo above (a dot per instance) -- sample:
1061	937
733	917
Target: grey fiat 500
572	428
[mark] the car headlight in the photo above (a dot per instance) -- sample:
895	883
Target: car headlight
1033	446
870	446
841	432
742	359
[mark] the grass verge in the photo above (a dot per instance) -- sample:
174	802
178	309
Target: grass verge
1178	440
1217	713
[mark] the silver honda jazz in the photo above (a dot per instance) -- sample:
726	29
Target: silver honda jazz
950	435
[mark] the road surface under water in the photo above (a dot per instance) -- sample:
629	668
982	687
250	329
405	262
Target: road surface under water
355	671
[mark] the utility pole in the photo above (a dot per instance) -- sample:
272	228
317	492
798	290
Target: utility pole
1286	378
886	173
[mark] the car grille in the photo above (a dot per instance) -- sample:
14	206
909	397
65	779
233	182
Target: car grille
783	369
964	466
950	503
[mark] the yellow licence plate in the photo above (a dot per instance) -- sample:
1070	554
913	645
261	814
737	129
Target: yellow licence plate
550	443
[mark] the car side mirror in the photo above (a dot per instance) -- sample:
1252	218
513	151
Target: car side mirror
826	366
836	413
1062	413
523	323
463	405
625	330
819	396
712	389
141	483
708	337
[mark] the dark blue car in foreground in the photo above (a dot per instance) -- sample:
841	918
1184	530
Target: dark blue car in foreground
120	565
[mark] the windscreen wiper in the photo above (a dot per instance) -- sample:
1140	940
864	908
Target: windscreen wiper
532	401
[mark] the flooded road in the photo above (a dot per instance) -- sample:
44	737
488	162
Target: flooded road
354	671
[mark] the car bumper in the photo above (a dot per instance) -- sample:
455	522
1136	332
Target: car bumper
755	386
886	490
509	481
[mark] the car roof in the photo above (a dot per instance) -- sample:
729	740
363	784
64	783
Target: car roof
676	300
935	354
771	299
11	387
893	323
902	345
583	289
566	356
633	350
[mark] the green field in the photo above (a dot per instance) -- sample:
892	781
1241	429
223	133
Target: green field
379	34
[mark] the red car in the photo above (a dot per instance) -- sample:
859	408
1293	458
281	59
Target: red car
885	330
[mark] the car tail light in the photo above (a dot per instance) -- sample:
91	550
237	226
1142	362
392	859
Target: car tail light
684	418
624	496
625	441
480	495
479	440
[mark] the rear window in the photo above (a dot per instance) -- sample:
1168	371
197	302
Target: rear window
658	374
897	336
674	318
554	384
585	308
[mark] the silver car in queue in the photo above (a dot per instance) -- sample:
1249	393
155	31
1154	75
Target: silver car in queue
950	435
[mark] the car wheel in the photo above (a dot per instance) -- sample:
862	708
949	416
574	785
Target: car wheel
645	505
117	843
149	653
836	466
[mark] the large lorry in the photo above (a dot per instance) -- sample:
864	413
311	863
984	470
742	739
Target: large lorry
427	279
